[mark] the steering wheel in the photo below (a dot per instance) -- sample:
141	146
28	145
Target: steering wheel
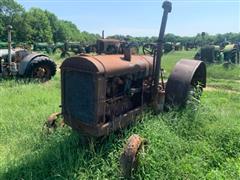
148	49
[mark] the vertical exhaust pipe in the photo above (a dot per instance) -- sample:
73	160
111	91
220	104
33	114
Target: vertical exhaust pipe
9	28
167	6
103	34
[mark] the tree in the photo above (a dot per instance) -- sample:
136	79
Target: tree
170	38
10	14
38	26
54	23
67	31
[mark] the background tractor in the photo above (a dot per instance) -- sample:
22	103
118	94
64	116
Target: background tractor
23	63
231	53
214	54
209	54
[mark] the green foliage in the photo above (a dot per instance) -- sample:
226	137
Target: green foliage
197	40
37	25
67	31
10	13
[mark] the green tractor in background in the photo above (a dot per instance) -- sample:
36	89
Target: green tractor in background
231	54
209	54
43	46
214	54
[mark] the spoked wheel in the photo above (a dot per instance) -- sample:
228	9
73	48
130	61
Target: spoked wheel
41	68
148	49
41	72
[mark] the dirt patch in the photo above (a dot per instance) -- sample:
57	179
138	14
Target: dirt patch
209	88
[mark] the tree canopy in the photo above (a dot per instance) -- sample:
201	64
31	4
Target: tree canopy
37	25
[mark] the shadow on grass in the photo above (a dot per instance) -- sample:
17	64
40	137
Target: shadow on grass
62	156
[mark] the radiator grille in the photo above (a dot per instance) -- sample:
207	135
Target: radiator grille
79	96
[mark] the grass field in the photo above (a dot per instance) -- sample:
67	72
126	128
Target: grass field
199	142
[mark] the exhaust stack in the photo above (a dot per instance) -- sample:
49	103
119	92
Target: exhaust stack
167	6
103	34
9	28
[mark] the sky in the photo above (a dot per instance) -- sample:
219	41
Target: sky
143	17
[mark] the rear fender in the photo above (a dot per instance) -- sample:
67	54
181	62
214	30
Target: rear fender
186	73
24	64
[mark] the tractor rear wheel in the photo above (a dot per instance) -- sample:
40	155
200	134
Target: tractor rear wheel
41	68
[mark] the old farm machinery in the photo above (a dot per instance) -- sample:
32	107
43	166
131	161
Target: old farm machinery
104	93
23	63
214	54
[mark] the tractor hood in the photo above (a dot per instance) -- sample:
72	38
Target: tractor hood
109	65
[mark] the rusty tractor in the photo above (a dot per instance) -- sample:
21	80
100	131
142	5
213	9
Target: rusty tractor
23	63
104	93
111	46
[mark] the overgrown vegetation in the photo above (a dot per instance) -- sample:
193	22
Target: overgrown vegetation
199	142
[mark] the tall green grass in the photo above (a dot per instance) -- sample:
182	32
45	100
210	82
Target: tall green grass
199	142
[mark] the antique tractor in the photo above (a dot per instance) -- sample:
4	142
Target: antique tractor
231	53
109	46
209	54
44	46
103	93
23	63
148	49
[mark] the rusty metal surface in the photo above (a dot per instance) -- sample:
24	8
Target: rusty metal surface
103	129
186	73
128	159
50	125
109	65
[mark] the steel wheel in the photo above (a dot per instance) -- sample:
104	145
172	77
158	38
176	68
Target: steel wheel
148	49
